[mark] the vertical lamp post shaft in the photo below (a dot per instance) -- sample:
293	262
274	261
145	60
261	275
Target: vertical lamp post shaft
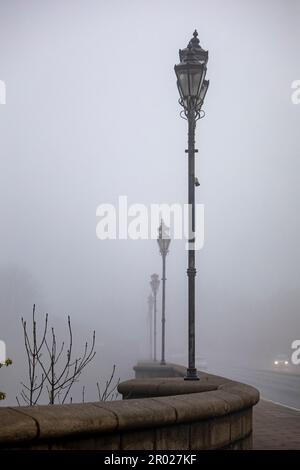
154	283
151	336
163	241
163	311
150	319
191	271
155	328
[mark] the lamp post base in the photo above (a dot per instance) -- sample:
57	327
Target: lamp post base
162	363
191	374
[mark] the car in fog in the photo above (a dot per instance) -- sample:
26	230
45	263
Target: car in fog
281	362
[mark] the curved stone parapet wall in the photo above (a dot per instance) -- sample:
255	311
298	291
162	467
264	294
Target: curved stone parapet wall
213	413
218	410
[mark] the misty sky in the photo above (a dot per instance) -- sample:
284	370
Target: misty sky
92	113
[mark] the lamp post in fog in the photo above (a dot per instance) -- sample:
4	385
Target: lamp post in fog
154	283
163	241
192	87
150	320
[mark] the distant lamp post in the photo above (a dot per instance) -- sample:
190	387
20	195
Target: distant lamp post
192	88
150	321
154	283
163	241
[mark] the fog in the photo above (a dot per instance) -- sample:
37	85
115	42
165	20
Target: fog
92	113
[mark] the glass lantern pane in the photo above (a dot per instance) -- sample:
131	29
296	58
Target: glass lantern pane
183	83
195	80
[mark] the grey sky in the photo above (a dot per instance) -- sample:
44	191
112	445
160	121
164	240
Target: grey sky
92	113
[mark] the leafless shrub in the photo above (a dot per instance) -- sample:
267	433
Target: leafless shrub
52	366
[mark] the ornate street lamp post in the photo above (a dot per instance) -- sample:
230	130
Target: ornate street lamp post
150	320
163	241
154	283
192	88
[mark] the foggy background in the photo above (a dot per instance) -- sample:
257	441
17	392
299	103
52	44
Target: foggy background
92	113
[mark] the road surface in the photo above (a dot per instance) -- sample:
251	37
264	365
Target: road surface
280	387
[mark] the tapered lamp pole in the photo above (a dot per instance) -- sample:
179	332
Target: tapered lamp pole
192	88
163	241
150	321
154	283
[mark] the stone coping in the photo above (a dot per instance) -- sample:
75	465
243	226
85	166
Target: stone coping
208	387
167	386
211	397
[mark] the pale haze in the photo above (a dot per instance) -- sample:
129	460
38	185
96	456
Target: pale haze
92	113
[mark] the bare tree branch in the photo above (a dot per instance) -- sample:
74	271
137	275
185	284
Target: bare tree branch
108	392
